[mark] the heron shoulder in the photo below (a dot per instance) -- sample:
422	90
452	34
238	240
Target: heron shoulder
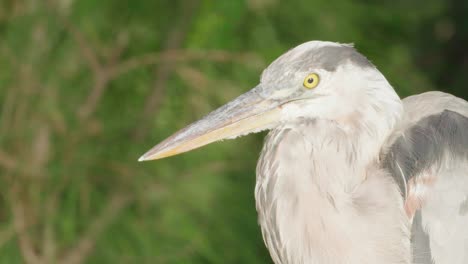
434	124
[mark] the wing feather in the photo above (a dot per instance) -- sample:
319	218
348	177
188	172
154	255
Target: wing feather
432	141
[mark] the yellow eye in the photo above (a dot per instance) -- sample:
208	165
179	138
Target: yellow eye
311	81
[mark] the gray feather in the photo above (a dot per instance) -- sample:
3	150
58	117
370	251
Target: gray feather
426	143
420	242
309	56
330	57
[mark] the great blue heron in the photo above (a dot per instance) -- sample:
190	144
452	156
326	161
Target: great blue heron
349	173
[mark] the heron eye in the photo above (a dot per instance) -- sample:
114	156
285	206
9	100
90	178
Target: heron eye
311	81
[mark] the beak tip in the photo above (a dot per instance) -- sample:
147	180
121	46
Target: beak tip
142	158
149	155
152	154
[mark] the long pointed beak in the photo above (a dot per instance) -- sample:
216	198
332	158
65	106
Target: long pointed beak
246	114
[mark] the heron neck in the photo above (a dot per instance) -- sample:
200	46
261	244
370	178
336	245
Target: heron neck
311	183
354	141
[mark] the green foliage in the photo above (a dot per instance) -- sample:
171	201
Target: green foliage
87	86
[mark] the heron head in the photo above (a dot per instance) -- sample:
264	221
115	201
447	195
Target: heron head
316	79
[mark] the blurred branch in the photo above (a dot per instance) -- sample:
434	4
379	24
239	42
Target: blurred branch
84	46
35	202
12	9
102	77
40	151
99	69
99	72
163	72
48	236
17	102
87	241
20	225
180	55
104	72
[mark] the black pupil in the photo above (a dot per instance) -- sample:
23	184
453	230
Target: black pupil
310	80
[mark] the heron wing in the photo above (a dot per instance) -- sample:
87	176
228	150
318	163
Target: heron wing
428	157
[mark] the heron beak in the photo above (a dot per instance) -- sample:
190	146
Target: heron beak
246	114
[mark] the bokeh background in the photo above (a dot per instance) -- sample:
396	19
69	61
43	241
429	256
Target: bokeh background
88	86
